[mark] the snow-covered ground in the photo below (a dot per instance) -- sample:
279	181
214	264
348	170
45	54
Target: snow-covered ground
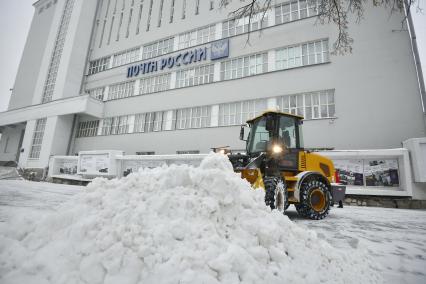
394	239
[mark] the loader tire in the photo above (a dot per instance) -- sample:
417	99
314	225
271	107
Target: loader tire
315	199
275	193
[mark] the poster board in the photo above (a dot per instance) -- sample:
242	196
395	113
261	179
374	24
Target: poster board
97	163
368	172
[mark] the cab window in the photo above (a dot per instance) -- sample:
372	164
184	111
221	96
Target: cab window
288	131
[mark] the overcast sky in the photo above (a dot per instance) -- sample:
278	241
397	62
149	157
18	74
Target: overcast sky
15	20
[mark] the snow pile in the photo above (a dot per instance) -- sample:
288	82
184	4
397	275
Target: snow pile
174	224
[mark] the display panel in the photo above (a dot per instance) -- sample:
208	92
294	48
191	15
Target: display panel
368	172
94	163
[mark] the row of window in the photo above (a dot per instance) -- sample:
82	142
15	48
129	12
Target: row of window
197	36
121	90
37	138
244	25
288	57
302	54
289	11
138	9
313	105
244	66
126	57
55	59
295	10
88	128
310	105
195	76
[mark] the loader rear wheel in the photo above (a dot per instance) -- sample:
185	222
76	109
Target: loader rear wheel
275	193
314	199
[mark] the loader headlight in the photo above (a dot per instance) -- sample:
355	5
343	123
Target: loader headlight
277	149
222	151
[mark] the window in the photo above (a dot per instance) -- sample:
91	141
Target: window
88	128
195	76
115	125
303	54
126	57
172	10
315	52
97	93
154	84
244	66
55	59
119	26
238	113
187	152
289	57
139	17
148	24
160	13
149	122
121	90
110	30
198	36
197	7
183	9
104	24
129	22
239	26
102	34
158	48
294	10
313	105
195	117
145	153
37	138
98	65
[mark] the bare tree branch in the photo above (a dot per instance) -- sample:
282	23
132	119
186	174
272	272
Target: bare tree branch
328	12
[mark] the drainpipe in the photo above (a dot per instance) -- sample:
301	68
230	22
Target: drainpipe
417	62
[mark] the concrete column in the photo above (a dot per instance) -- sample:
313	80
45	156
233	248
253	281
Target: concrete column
136	87
106	91
271	60
131	121
169	120
214	116
216	75
176	43
26	143
141	53
173	80
111	61
271	17
101	124
218	31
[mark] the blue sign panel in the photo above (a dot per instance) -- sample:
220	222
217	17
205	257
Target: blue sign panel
220	49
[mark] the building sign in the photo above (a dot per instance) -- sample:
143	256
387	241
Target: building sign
218	49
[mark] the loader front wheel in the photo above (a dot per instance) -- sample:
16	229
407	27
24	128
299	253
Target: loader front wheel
314	200
275	193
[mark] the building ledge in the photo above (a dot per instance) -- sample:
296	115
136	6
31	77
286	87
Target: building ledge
79	104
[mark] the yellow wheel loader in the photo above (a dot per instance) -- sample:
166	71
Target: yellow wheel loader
276	160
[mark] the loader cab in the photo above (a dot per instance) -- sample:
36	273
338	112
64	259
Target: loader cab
274	131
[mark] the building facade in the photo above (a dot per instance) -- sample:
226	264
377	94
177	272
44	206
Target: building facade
181	76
